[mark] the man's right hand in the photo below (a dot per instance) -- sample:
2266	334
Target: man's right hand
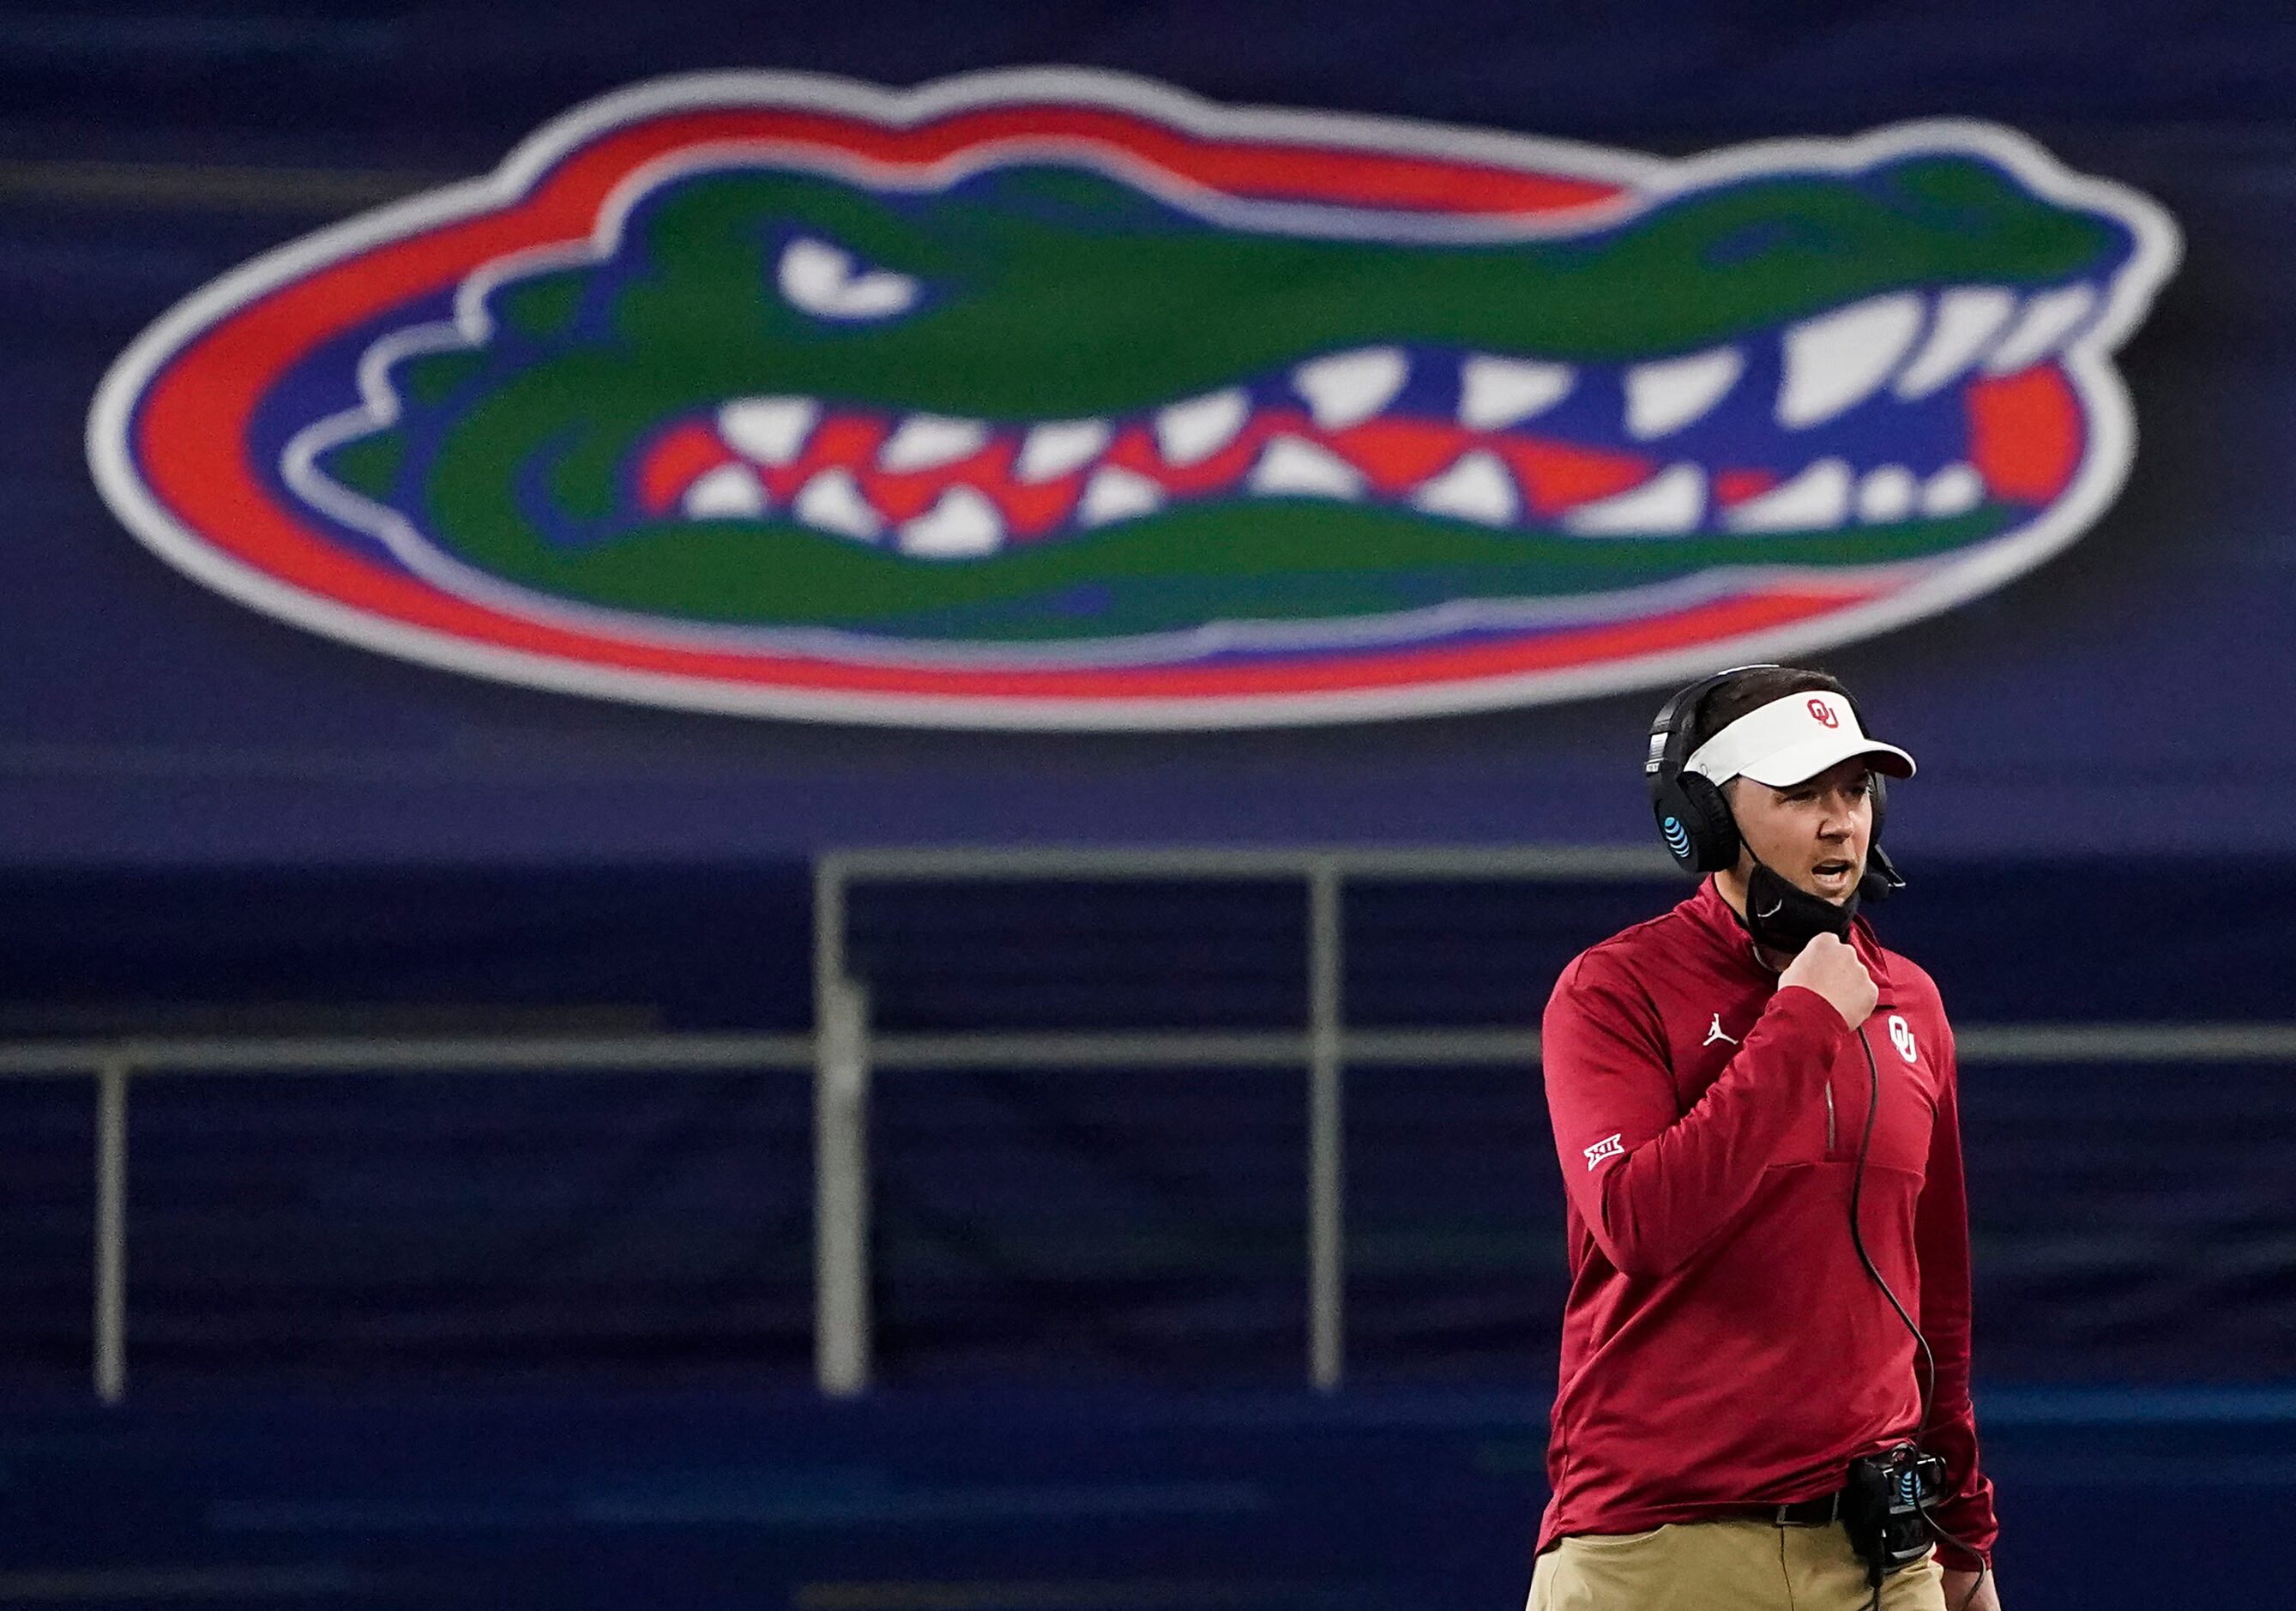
1828	965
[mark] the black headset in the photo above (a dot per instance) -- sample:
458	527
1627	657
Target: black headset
1692	816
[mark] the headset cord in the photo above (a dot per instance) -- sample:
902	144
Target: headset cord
1928	1381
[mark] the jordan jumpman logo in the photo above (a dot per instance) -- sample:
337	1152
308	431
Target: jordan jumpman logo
1714	1034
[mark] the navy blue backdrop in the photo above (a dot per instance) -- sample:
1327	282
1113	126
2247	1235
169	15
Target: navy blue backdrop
208	817
210	820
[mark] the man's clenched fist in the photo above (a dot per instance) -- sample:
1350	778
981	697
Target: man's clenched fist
1830	967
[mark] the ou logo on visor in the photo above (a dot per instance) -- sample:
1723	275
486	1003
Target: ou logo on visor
1901	1036
1825	713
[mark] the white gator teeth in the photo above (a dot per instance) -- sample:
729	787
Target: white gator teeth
1671	502
1057	447
729	492
1815	500
770	430
1114	494
1288	465
1967	317
1348	388
832	501
1837	360
1477	487
1195	430
926	440
1886	495
2047	319
964	523
1665	396
1496	393
1955	489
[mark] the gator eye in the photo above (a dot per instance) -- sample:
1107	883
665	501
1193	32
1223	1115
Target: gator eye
826	282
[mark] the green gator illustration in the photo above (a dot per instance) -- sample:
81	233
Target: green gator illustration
1045	405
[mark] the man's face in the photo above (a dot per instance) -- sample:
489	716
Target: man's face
1813	834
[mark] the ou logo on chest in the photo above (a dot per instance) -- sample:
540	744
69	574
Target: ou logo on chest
1901	1036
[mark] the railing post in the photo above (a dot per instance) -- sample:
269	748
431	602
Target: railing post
1325	1133
840	1150
842	1192
111	1231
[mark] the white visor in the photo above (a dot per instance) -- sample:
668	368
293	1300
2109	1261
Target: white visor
1791	740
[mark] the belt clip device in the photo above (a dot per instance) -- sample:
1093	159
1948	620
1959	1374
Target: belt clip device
1881	1507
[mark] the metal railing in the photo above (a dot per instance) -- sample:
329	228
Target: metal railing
848	1051
844	1052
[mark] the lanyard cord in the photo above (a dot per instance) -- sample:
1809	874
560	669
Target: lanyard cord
1929	1381
1858	1234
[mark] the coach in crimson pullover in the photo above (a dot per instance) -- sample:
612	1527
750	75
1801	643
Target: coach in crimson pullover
1723	1351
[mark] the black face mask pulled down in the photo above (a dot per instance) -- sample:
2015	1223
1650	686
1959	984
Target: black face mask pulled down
1784	917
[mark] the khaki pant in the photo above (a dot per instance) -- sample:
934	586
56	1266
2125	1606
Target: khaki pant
1743	1564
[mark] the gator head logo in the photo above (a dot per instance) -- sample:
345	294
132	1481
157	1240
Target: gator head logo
1055	399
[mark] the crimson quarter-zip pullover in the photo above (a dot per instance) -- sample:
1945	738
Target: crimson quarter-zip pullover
1722	1345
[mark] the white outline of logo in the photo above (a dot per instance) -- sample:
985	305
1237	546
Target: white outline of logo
1932	587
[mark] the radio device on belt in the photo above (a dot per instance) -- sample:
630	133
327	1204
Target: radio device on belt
1883	1507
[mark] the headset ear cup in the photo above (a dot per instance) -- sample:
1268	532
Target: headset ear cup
1713	831
1676	817
1692	816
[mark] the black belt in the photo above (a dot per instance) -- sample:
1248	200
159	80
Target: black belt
1803	1513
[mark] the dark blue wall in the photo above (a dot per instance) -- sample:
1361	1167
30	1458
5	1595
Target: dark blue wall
2131	1219
1371	1501
211	821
